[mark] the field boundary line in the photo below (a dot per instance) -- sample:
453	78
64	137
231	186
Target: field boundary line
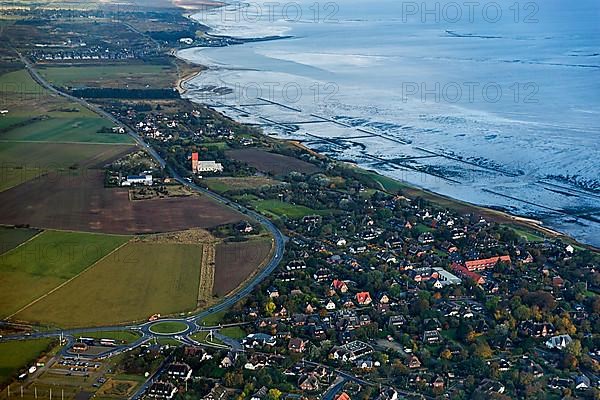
207	273
129	235
25	242
66	142
65	282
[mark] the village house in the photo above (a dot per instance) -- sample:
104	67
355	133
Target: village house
347	320
560	383
317	332
273	292
322	275
432	337
330	305
482	264
133	180
245	227
339	285
162	390
413	362
582	382
366	365
559	342
383	298
259	339
179	371
363	298
297	345
217	393
465	273
197	352
257	361
351	351
396	321
296	265
489	386
343	396
536	329
387	394
261	394
309	383
229	360
438	383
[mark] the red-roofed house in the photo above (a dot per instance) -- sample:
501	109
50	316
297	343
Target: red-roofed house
339	285
485	263
465	273
343	396
558	282
363	298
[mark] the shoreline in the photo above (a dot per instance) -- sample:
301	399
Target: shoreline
499	216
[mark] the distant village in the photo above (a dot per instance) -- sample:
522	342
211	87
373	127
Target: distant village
382	296
391	297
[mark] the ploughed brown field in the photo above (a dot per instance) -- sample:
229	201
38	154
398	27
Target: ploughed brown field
235	262
276	164
82	203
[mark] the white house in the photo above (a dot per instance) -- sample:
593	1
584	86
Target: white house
209	166
559	342
330	306
145	180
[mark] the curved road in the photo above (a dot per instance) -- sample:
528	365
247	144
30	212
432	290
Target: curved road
193	320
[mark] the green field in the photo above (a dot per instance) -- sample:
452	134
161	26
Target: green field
234	332
73	128
278	208
19	91
9	120
168	327
389	184
55	156
243	183
13	176
216	145
530	236
45	262
35	115
12	237
135	75
213	319
20	83
386	183
120	336
202	337
136	281
18	355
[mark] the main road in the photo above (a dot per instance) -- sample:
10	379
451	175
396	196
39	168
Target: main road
192	321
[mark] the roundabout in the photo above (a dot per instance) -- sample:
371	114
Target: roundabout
169	328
